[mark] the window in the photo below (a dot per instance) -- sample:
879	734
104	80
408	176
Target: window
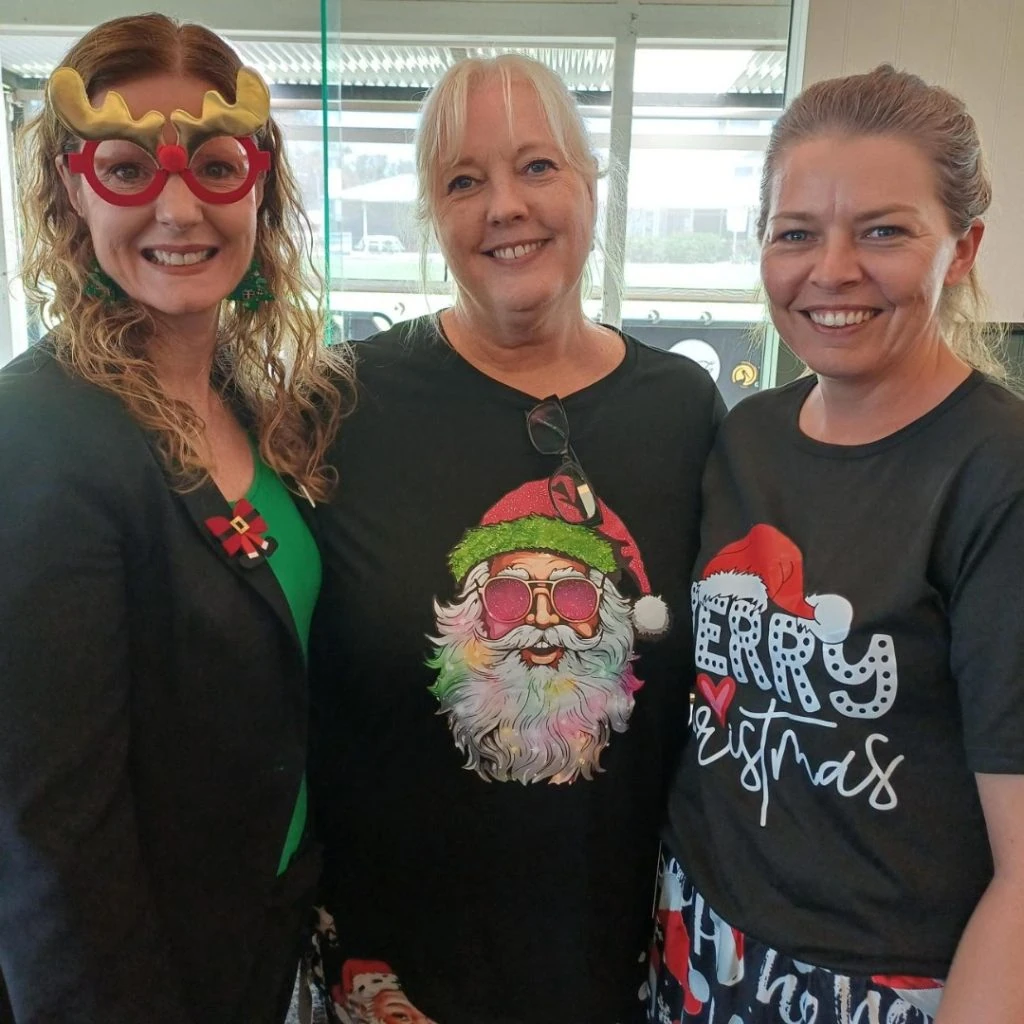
697	116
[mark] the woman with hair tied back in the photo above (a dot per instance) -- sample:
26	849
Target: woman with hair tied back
846	831
159	450
502	641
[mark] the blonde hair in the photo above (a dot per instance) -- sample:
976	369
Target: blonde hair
443	127
273	360
887	102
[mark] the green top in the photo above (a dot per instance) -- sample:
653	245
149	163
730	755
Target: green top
296	565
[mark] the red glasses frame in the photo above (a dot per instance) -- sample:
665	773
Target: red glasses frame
171	160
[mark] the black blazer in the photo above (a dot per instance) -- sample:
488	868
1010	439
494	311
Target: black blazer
153	715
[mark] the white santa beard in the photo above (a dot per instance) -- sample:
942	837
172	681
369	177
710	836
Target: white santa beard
530	723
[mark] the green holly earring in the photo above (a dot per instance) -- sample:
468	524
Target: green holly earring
100	285
252	291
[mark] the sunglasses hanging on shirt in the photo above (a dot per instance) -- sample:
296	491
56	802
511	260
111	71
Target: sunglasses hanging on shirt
572	494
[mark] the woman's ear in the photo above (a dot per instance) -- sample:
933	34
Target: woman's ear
72	183
965	254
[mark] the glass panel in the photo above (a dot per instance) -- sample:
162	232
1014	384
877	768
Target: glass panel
701	120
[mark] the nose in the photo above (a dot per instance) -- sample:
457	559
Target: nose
837	264
543	613
177	206
506	201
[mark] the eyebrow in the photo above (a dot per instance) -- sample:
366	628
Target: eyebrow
882	211
541	144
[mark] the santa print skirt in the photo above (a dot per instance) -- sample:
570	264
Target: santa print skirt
705	972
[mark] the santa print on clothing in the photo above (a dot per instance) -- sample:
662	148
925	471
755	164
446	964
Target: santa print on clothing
535	654
370	993
774	671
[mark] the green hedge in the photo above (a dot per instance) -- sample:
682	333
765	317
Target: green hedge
692	248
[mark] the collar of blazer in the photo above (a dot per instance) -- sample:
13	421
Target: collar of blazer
205	503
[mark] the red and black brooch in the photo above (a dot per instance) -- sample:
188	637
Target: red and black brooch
243	536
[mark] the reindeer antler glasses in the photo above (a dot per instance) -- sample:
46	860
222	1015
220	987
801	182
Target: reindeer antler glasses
126	162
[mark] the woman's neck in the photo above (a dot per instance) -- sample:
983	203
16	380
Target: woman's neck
183	360
559	353
859	411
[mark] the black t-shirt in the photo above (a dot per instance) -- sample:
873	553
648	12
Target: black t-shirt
857	612
490	789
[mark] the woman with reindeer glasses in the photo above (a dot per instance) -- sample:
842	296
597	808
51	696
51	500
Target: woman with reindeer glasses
503	632
160	452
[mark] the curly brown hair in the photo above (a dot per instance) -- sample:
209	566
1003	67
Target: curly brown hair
273	359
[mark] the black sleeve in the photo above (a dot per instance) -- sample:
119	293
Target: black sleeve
79	936
987	640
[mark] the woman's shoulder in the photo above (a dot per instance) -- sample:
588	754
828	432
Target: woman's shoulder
987	426
677	372
46	410
410	348
400	341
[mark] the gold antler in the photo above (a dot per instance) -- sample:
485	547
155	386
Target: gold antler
112	120
218	117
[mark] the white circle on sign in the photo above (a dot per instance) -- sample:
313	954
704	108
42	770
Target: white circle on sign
701	353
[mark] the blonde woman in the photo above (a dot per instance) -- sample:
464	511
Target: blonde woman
160	450
503	640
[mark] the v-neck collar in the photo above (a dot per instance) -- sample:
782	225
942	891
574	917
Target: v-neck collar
206	502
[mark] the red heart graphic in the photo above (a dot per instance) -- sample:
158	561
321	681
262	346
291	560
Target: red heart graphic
720	696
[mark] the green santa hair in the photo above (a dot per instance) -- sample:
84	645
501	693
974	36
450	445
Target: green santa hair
531	533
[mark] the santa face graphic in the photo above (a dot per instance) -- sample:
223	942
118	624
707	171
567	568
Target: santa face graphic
395	1008
535	653
370	993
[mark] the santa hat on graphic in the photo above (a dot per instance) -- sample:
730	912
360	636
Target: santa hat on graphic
526	520
766	565
361	980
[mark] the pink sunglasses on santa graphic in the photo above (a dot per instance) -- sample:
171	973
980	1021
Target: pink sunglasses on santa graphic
510	598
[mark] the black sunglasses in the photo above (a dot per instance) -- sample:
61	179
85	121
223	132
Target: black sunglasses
572	494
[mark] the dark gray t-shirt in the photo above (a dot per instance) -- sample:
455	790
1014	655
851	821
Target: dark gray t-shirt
858	618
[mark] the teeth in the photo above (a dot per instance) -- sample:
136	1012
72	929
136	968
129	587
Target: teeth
841	318
515	252
542	645
178	259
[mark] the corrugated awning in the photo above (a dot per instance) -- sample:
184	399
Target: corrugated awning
382	66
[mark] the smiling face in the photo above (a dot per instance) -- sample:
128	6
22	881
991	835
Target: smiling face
541	571
514	220
177	254
857	251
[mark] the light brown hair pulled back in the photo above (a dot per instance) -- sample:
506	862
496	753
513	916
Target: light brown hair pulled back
887	102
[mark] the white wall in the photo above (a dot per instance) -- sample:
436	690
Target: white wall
974	48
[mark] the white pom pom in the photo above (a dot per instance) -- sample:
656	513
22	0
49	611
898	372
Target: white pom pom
832	617
650	616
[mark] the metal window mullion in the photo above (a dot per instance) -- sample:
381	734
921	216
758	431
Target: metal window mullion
796	49
794	84
620	144
13	321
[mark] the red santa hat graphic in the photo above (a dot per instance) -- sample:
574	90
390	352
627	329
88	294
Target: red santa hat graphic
361	980
526	520
766	565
